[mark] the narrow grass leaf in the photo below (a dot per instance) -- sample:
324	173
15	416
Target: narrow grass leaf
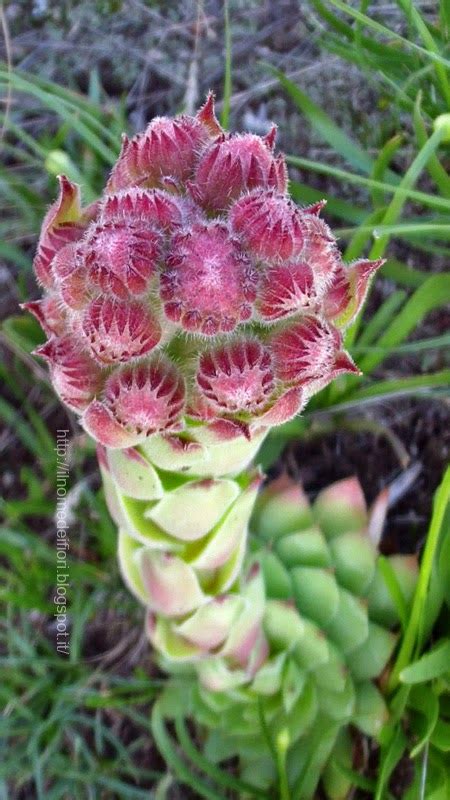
390	33
173	760
431	665
324	125
434	293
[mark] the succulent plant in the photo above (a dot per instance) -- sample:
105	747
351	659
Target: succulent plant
189	310
327	629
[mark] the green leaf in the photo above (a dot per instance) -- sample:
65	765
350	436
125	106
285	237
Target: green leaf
440	737
327	129
221	777
431	200
396	387
390	756
390	33
424	702
416	620
381	318
435	292
175	762
431	665
24	331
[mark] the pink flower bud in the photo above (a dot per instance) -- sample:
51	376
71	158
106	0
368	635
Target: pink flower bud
320	251
70	277
63	223
284	408
119	330
122	258
208	284
169	147
194	235
233	165
149	207
347	293
49	313
76	378
286	289
139	400
270	226
304	350
236	377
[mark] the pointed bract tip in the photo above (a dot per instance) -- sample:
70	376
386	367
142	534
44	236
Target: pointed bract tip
46	351
316	208
365	268
206	115
344	363
270	138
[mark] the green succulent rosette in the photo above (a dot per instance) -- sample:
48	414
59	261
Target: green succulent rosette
330	628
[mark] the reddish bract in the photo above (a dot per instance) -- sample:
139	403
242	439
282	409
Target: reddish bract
118	331
236	377
75	376
233	165
209	284
270	226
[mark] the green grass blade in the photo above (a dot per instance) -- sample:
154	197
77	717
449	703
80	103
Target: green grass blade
306	195
398	201
437	58
360	235
403	274
225	118
425	34
382	317
396	387
381	165
63	110
434	166
441	203
327	129
220	776
435	292
173	760
431	665
410	639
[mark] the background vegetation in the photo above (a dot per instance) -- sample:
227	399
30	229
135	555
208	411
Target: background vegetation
356	89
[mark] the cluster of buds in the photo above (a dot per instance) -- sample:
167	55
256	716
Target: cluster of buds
328	629
194	291
188	311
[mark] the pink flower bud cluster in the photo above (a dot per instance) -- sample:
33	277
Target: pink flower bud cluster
194	289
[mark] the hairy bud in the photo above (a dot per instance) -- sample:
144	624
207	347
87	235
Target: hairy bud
304	350
286	289
248	163
150	207
118	330
270	226
62	224
122	259
236	377
75	376
168	147
194	249
49	313
137	401
209	283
